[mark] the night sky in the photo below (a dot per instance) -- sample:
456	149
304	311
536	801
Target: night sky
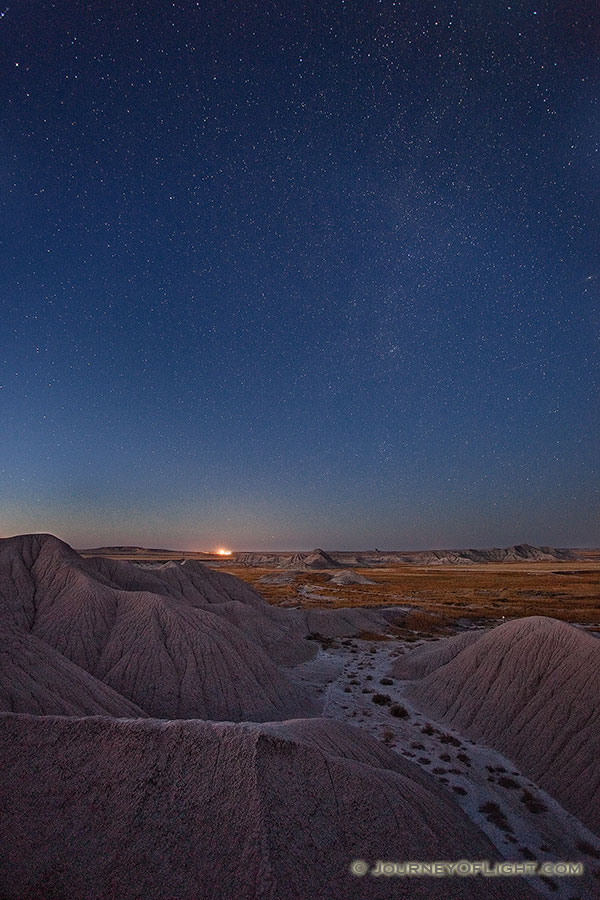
286	275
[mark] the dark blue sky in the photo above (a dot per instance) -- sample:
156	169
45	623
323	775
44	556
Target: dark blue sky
283	274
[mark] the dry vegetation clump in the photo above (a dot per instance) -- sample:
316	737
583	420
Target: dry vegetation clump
450	739
533	804
495	815
381	699
506	782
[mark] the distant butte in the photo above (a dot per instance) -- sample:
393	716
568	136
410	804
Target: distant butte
322	559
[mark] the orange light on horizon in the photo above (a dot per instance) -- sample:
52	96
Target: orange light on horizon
223	552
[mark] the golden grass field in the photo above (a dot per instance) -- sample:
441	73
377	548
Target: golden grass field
563	590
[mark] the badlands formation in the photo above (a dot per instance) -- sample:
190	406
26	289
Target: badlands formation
319	559
530	688
167	734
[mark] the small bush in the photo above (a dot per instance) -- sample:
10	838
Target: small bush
381	699
506	782
388	735
533	804
494	814
450	739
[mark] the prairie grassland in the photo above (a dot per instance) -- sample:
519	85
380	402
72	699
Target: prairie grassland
564	590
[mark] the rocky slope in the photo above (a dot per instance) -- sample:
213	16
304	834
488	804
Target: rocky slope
530	689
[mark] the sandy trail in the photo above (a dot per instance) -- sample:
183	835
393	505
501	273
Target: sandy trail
520	819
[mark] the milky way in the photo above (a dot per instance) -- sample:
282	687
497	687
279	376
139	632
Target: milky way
280	275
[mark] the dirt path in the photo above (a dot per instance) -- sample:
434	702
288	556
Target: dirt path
520	819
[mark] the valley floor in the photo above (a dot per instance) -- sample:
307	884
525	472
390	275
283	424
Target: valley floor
520	819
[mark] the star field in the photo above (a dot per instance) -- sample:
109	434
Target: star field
279	275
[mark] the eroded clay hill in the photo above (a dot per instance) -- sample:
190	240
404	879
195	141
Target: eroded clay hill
529	688
182	643
194	810
35	678
176	641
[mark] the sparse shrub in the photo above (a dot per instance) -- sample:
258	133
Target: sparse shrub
399	711
494	814
386	681
450	739
381	699
506	782
388	735
533	804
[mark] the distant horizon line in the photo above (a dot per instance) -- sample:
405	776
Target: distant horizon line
335	550
234	552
